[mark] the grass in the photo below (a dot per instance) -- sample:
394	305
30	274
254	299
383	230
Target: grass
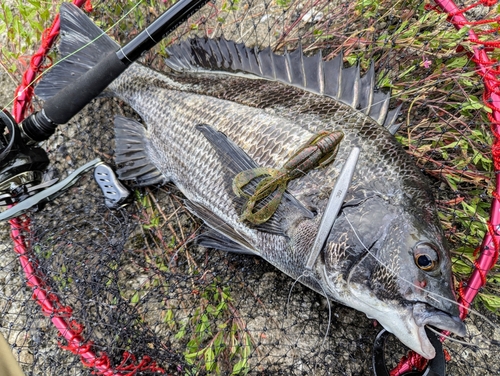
211	349
213	332
22	23
446	127
423	60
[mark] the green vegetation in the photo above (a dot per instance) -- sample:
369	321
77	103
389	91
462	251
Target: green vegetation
22	23
213	333
445	125
212	347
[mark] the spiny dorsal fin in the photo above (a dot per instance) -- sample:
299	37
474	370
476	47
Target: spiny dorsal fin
390	120
366	87
310	73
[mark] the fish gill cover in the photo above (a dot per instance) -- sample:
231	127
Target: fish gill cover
132	284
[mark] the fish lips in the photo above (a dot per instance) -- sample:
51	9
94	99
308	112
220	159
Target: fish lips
424	314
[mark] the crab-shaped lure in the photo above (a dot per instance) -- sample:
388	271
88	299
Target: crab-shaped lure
319	151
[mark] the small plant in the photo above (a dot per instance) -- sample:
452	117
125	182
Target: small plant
448	138
283	3
367	8
22	23
230	5
218	338
150	217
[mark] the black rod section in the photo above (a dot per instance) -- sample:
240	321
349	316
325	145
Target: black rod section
159	29
69	101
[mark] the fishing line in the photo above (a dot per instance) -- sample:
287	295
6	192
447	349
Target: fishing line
452	339
304	275
308	274
121	18
74	52
414	285
125	15
200	230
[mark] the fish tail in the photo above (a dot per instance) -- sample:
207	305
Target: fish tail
82	45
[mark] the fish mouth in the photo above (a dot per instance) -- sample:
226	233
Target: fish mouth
406	320
426	315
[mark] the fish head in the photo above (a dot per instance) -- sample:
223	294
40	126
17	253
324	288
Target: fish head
392	263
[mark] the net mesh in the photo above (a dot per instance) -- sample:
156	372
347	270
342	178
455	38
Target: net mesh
135	293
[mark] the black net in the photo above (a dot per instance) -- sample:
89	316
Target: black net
137	283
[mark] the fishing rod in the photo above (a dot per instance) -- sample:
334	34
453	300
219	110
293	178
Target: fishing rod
69	101
22	161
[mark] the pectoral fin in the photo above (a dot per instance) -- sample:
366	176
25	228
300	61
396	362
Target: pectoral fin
235	160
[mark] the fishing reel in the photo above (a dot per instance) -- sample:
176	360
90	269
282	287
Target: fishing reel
23	181
21	164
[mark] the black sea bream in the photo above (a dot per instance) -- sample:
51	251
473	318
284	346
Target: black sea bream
225	108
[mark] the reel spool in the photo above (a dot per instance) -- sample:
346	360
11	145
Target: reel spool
21	165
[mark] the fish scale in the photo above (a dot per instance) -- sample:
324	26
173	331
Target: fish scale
186	162
314	114
226	108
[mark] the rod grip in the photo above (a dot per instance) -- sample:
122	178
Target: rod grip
70	100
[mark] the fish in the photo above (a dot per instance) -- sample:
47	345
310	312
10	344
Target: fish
222	108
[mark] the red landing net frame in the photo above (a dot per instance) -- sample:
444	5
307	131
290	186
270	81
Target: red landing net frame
488	69
49	302
71	330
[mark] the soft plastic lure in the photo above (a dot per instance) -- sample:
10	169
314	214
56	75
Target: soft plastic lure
318	152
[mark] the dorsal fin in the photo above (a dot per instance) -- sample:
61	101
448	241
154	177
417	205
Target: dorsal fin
311	73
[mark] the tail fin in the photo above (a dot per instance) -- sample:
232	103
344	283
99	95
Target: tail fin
82	45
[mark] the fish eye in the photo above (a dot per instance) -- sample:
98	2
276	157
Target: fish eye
426	256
